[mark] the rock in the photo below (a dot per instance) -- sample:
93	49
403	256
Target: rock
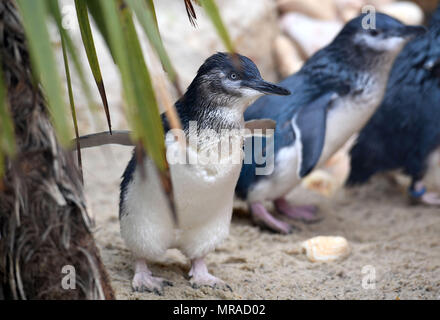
348	9
322	182
326	249
309	34
287	57
405	11
332	175
378	3
428	6
252	26
319	9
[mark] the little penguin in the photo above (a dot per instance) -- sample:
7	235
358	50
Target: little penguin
405	129
214	103
335	93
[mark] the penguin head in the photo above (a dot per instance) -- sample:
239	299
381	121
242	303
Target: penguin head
376	35
227	80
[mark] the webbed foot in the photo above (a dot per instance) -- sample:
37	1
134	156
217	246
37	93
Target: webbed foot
307	214
265	219
200	277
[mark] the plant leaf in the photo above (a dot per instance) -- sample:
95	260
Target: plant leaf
148	21
45	67
212	11
152	9
96	10
142	108
71	49
191	13
72	104
89	45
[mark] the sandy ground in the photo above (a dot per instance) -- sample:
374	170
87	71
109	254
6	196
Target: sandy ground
401	243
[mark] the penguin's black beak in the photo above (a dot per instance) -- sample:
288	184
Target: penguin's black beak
412	31
266	87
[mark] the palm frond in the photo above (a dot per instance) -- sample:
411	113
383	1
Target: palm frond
142	107
146	16
212	11
45	68
191	13
55	12
89	45
72	103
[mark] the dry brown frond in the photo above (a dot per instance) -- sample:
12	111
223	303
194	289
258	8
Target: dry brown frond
44	224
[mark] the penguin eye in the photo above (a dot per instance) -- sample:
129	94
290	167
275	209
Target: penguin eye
233	76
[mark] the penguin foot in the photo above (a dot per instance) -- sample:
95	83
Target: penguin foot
307	214
418	194
209	280
431	199
264	219
143	280
200	277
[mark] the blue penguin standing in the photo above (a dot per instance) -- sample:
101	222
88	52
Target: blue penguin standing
335	93
224	87
405	129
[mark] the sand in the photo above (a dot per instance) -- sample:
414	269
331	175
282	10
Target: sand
401	243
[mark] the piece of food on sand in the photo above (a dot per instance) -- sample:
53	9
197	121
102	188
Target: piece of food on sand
326	249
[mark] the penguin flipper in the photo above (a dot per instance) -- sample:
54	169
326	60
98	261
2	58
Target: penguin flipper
311	123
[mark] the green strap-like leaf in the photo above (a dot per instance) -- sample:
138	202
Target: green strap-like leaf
34	21
89	45
152	9
96	10
72	102
142	108
212	11
147	19
71	49
147	107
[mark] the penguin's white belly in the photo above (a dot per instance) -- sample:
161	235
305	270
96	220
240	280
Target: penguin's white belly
204	198
346	118
284	177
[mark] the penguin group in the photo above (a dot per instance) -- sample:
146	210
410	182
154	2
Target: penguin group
383	82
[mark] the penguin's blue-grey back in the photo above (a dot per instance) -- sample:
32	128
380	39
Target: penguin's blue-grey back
405	128
320	74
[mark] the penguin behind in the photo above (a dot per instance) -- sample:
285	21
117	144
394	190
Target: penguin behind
223	88
335	93
405	129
